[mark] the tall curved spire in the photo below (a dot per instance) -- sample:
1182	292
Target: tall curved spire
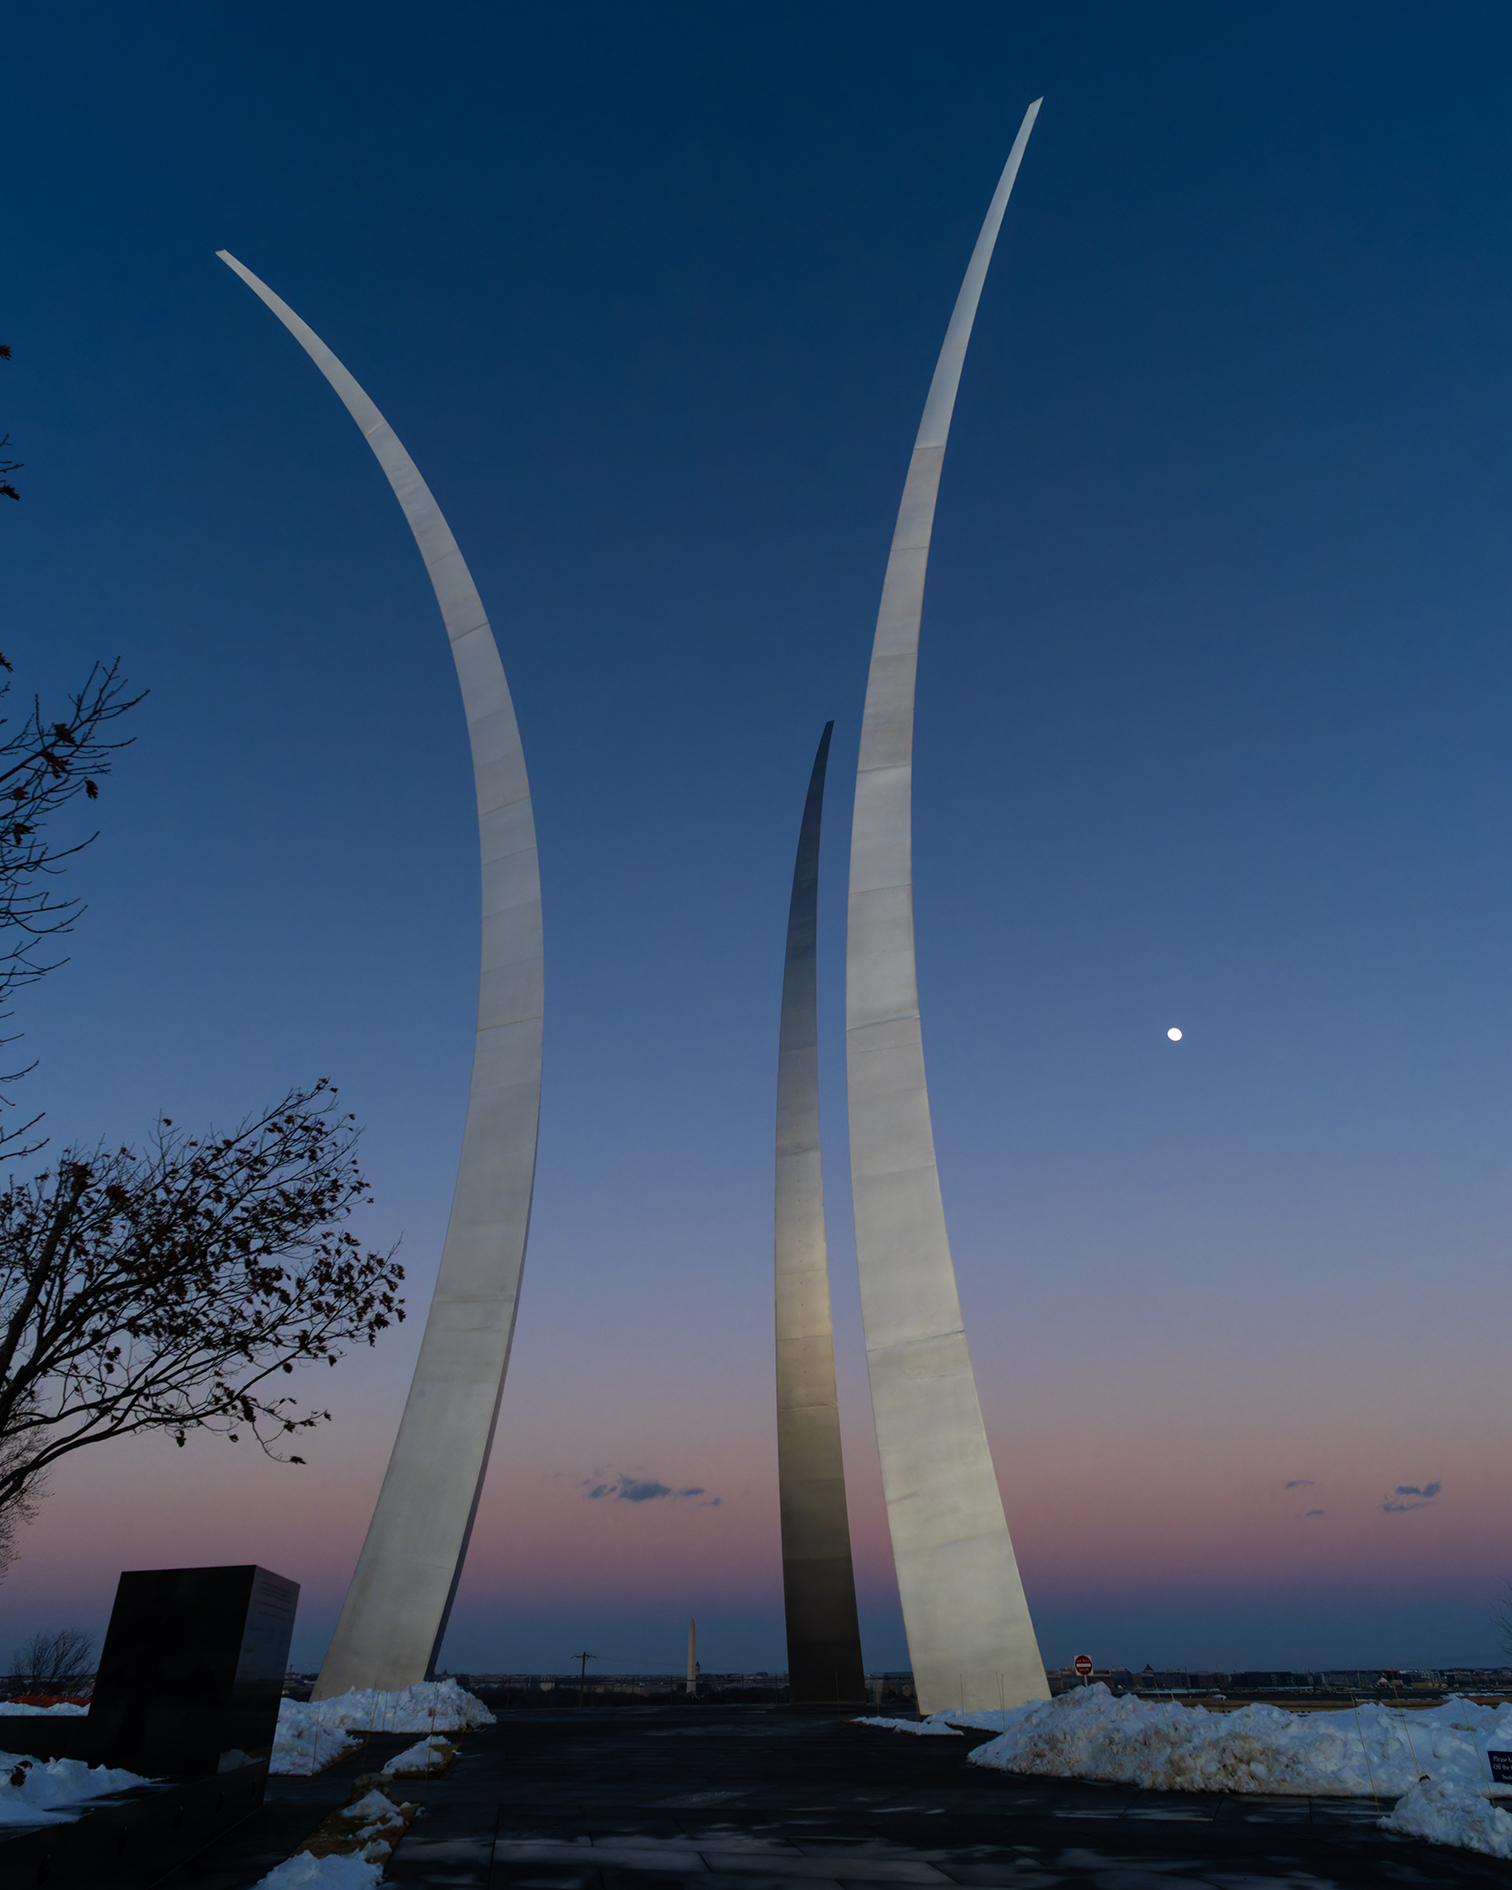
818	1581
968	1626
396	1609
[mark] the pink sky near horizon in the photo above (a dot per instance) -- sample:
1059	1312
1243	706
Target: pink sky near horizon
1124	1486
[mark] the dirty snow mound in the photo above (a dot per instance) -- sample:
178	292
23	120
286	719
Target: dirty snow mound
912	1726
1448	1814
1087	1733
304	1744
304	1872
430	1755
313	1732
54	1791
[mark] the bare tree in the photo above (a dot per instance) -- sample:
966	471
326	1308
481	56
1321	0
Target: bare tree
169	1289
1500	1612
7	490
53	1663
21	1508
172	1290
43	766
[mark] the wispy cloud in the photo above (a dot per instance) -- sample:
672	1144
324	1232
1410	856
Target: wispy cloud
1411	1496
617	1487
1299	1483
1315	1512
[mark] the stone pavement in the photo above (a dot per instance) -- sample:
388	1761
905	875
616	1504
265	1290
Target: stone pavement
763	1798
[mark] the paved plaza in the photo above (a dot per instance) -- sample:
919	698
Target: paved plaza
766	1798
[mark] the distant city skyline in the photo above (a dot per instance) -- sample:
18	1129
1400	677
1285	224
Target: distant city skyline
1215	677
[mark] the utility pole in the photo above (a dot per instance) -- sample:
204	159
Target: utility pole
692	1656
582	1672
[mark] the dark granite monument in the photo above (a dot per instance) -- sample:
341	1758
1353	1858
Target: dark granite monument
187	1696
192	1670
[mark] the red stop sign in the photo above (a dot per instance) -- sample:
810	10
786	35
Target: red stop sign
1083	1664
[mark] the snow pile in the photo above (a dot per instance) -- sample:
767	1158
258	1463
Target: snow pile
304	1872
64	1709
1377	1749
380	1825
53	1791
312	1733
913	1726
303	1744
350	1848
1448	1814
418	1761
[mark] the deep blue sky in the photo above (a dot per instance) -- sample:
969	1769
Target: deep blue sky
1213	716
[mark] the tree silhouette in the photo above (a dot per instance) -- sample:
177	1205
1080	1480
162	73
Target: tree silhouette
173	1289
7	490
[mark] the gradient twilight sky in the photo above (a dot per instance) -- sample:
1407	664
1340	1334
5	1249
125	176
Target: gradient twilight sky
1214	712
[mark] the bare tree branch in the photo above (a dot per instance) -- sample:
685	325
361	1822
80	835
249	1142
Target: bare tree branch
7	490
174	1288
54	1663
171	1289
43	766
1501	1618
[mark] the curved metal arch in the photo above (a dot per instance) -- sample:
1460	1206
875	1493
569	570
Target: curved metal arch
968	1625
396	1609
818	1579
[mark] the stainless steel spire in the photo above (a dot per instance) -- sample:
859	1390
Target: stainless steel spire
818	1583
964	1610
396	1609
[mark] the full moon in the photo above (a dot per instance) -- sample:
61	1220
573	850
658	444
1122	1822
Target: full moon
1174	1035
